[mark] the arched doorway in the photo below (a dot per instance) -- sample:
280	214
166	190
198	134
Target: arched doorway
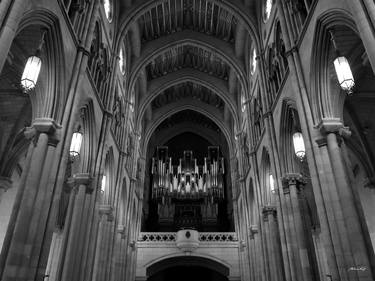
187	269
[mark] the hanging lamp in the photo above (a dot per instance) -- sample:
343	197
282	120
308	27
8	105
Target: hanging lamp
343	71
32	68
75	145
299	145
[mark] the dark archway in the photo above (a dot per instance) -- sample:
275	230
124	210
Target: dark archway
186	269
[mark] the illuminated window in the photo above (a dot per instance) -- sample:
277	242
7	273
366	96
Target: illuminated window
268	9
253	62
243	103
108	9
121	61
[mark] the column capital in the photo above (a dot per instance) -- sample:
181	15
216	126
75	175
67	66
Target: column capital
106	210
292	179
333	125
5	183
121	230
47	126
82	179
253	230
267	211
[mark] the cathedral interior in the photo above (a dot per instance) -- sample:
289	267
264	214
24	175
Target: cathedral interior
206	140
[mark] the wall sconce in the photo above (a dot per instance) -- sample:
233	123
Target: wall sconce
299	146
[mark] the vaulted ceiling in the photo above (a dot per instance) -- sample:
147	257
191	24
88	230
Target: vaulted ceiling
187	58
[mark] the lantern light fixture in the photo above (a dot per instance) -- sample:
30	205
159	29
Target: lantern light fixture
272	184
75	145
343	71
103	184
32	68
299	145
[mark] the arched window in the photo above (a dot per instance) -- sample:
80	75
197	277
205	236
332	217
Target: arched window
253	61
108	7
121	61
267	8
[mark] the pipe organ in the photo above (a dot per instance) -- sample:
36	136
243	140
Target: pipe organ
187	194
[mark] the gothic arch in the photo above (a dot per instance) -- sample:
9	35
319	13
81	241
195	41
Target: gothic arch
193	260
49	97
108	195
220	123
190	38
265	172
289	123
159	85
88	148
325	101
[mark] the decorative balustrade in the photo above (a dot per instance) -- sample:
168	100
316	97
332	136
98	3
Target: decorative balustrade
218	237
157	237
214	237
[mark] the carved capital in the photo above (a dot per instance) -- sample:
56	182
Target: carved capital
253	230
333	125
121	231
292	179
44	126
82	179
106	210
267	211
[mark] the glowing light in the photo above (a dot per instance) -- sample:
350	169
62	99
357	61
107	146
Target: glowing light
104	183
253	62
75	145
299	145
31	72
268	8
344	73
108	9
272	184
121	61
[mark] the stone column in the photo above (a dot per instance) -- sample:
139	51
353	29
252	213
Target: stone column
297	248
254	255
9	22
25	237
5	184
119	257
349	241
364	18
272	243
103	244
76	228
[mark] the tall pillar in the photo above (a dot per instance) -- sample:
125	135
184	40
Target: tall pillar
346	234
364	19
119	261
25	237
11	12
76	225
297	248
103	244
255	255
272	243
